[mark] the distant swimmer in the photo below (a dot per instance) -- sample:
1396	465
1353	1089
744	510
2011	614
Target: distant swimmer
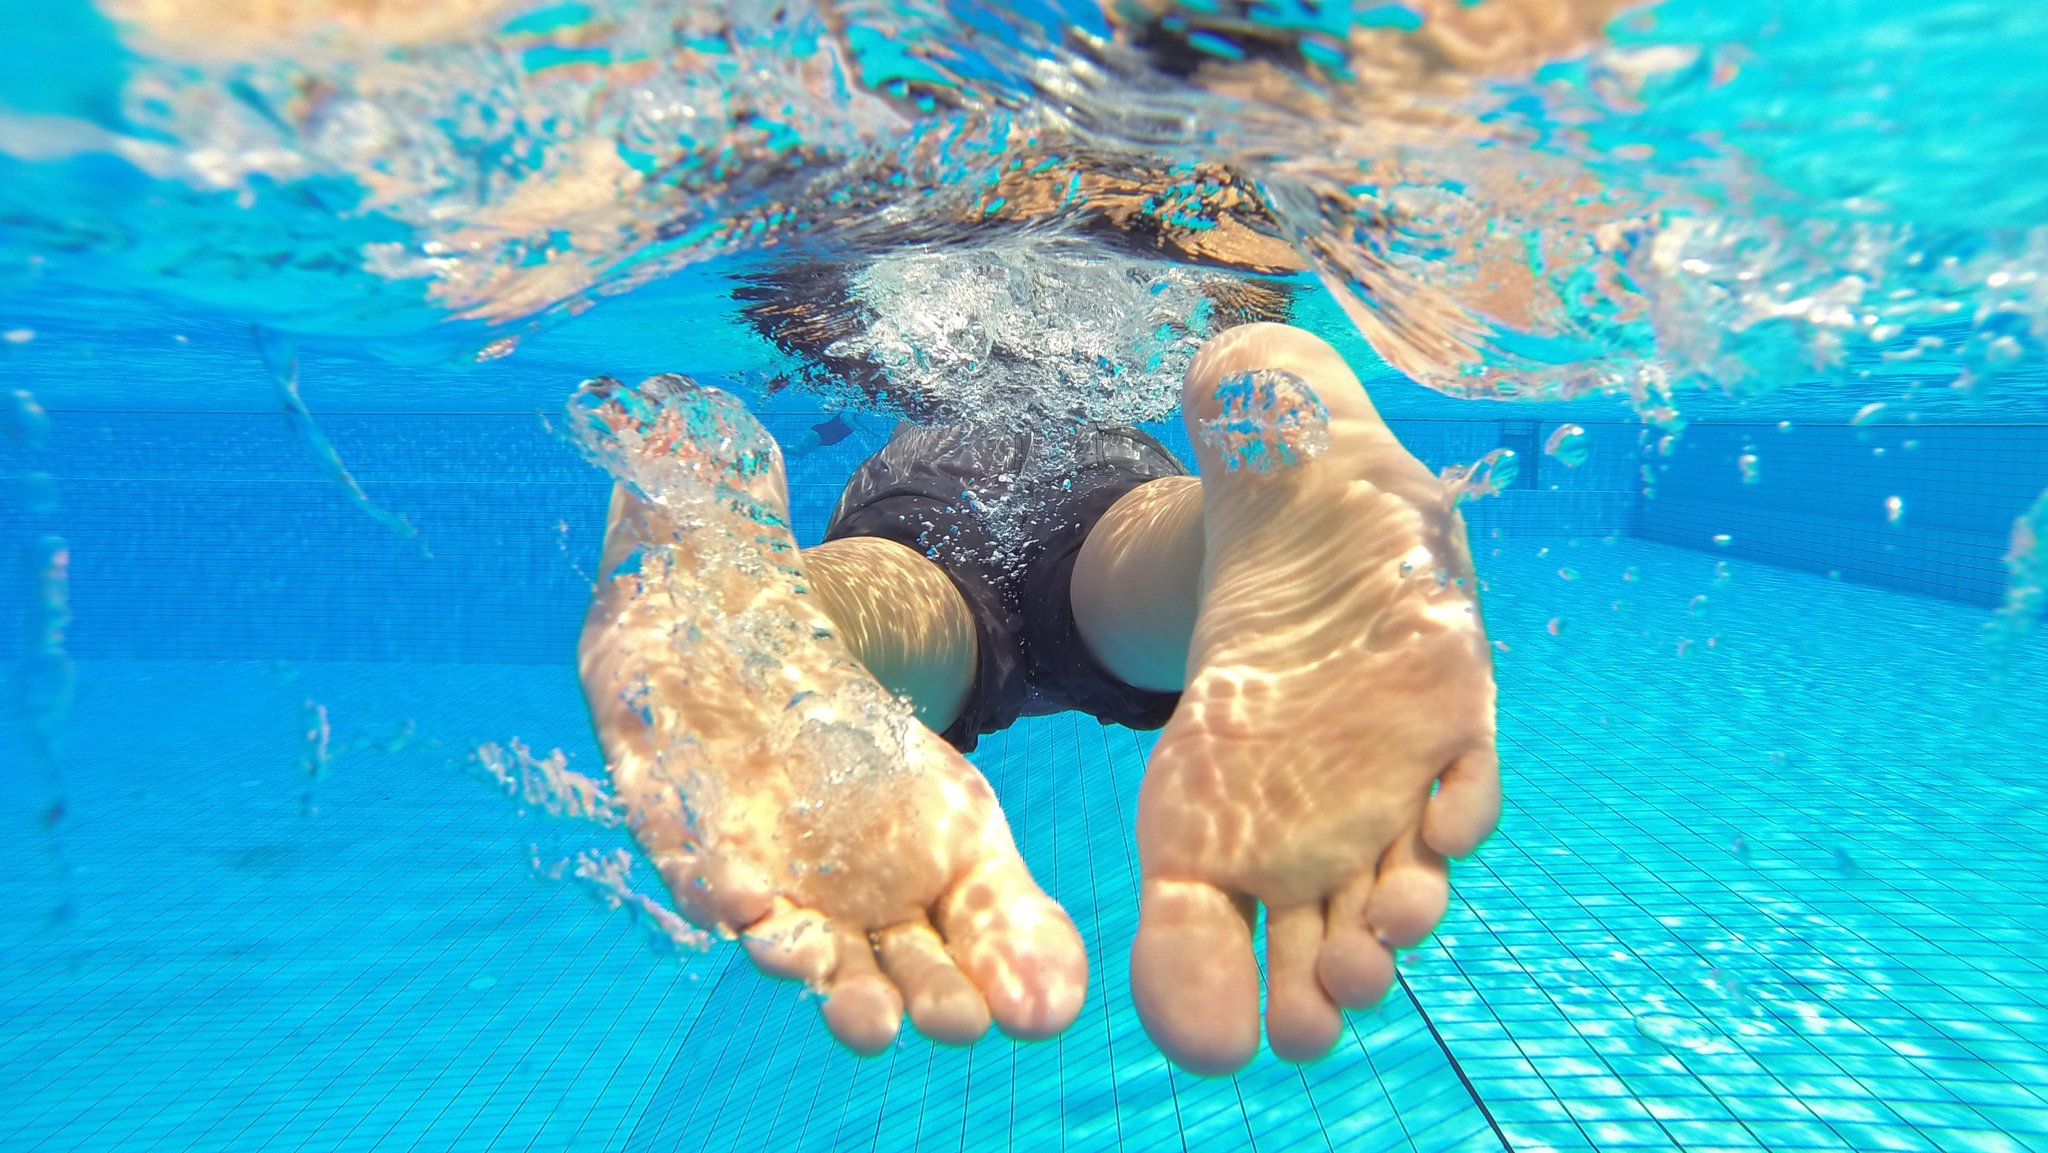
1301	618
824	434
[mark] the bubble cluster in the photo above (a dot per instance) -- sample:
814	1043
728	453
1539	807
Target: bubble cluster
1490	475
1267	421
717	555
1026	332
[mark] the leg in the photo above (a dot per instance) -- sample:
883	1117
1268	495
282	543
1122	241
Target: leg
1137	582
1334	743
901	617
781	792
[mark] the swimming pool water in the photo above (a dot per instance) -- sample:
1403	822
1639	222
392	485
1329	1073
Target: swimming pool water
1783	892
1771	874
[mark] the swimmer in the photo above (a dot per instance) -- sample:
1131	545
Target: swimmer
824	434
1301	618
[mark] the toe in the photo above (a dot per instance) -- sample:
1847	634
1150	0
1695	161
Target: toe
723	891
1466	805
792	943
944	1004
1193	976
1301	1020
1410	894
1355	967
862	1008
1017	946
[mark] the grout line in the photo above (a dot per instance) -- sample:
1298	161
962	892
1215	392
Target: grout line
1464	1080
682	1050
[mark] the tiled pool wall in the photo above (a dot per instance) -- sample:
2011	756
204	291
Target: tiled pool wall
1821	498
216	535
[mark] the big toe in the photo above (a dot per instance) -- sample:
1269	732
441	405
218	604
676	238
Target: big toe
1193	977
1018	947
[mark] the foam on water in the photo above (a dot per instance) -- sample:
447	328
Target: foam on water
1025	329
1511	199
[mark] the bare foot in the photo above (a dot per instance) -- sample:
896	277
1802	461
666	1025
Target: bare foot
781	792
1338	670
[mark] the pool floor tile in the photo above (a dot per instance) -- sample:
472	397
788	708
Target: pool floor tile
1723	911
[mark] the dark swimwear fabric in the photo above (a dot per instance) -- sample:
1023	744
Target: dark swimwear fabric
929	489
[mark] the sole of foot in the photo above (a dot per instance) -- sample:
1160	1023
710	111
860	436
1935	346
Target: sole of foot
783	795
1335	741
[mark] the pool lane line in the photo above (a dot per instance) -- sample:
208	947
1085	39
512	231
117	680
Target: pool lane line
1470	1090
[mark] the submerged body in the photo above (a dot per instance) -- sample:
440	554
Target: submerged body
1333	667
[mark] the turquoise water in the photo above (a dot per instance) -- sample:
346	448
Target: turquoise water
289	317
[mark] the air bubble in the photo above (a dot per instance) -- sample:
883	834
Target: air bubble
1697	606
1747	463
26	423
1570	445
1985	359
1489	476
317	736
1674	1032
1894	510
1267	421
1722	540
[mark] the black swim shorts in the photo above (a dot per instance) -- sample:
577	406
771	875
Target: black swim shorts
1005	516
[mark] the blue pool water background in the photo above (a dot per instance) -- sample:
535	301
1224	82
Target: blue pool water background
1771	871
1770	875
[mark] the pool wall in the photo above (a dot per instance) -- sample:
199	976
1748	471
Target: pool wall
216	534
1818	502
